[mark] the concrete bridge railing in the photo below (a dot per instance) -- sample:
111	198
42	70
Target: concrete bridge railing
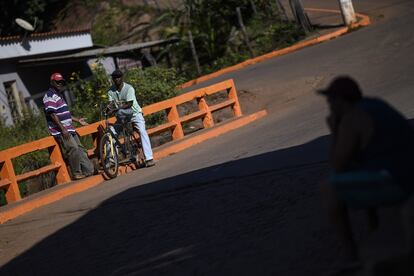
9	180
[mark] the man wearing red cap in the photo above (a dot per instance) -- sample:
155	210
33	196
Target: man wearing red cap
59	122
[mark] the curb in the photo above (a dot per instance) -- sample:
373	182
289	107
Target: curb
29	204
221	129
364	20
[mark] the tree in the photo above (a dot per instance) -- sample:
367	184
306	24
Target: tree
217	35
210	23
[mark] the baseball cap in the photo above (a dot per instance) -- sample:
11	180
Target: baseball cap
343	87
117	73
56	77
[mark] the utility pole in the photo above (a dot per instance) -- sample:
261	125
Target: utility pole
243	29
348	12
194	52
281	10
300	15
253	5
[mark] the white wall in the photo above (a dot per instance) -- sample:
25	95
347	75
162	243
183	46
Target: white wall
107	63
4	105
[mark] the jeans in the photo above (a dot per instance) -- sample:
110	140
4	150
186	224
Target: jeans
362	189
76	155
139	123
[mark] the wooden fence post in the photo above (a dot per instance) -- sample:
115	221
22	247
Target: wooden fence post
233	95
7	172
208	120
172	115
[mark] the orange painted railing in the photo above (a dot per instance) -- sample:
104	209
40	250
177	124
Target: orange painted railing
9	180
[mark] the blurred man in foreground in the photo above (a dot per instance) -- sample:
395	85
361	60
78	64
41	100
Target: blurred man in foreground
372	157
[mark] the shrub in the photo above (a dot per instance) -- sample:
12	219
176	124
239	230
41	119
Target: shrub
277	35
151	85
31	126
89	94
217	36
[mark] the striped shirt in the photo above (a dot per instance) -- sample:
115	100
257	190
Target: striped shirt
54	103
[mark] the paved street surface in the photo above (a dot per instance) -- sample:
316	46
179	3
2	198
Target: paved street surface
245	203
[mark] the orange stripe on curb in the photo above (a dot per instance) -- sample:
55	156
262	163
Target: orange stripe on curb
218	130
364	21
27	205
64	190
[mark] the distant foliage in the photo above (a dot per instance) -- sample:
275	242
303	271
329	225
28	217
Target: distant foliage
30	127
268	36
151	85
217	36
89	93
116	21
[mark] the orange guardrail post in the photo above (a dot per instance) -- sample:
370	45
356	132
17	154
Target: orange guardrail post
173	116
233	95
7	172
62	175
203	106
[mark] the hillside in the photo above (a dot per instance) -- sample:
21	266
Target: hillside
111	22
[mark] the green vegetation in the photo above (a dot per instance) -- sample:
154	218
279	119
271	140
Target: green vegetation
217	36
214	25
116	22
151	85
31	126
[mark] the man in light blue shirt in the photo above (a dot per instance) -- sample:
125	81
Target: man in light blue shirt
122	95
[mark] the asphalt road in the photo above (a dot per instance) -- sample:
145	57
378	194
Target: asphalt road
245	203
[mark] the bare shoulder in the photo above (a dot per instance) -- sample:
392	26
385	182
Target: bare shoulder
358	118
361	124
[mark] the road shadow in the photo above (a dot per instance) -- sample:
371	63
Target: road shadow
260	215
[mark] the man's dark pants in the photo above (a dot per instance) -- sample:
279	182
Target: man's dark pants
76	155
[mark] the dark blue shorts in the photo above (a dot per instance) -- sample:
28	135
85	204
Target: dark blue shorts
365	189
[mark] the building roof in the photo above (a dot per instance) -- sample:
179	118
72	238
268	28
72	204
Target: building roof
41	36
107	51
44	43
